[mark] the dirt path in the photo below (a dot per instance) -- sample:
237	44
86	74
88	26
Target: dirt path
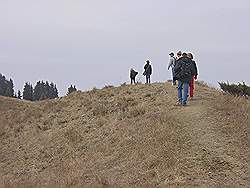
210	155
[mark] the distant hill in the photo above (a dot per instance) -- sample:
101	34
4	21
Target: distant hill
128	136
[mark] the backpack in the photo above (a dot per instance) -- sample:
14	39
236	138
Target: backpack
185	70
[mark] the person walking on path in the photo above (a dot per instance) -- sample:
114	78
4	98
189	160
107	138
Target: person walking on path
147	72
184	70
194	77
133	74
171	64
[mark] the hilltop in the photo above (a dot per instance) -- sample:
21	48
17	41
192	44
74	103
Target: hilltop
127	136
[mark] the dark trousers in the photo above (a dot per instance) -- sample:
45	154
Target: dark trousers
132	80
147	79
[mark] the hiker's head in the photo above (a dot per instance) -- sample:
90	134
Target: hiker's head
147	61
190	56
179	54
184	54
131	69
171	54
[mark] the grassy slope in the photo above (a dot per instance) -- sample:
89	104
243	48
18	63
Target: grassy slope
127	136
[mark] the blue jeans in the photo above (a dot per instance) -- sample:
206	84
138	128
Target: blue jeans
183	86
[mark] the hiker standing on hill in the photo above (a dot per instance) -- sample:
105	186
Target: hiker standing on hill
171	64
133	74
147	71
184	70
194	77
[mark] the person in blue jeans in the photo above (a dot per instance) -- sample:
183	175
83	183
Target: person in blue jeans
182	98
184	70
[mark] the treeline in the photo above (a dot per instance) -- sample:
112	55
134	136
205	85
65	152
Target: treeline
42	90
240	89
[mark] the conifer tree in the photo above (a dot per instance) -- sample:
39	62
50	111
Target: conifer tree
6	87
28	92
2	84
8	92
53	91
38	91
11	86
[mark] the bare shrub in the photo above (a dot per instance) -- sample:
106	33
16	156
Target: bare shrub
108	87
235	89
94	89
124	84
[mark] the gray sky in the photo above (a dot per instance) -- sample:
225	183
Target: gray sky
94	43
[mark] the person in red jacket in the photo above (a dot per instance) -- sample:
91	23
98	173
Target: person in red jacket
194	77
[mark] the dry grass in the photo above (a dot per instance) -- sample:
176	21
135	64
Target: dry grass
130	136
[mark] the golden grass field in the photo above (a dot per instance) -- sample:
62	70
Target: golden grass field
127	136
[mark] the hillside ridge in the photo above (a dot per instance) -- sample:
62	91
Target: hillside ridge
127	136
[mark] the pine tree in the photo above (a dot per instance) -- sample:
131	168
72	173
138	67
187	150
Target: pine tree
38	91
47	90
10	89
6	87
53	91
28	92
8	92
2	84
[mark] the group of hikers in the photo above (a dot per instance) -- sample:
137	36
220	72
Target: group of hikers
184	70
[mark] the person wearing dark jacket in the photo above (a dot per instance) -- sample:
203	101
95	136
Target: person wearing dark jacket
184	70
194	77
147	71
133	74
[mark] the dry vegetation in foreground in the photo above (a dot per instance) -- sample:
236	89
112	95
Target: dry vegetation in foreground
130	136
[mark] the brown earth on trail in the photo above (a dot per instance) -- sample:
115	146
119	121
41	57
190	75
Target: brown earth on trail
128	136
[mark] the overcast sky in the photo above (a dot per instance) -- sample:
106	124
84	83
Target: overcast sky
93	43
